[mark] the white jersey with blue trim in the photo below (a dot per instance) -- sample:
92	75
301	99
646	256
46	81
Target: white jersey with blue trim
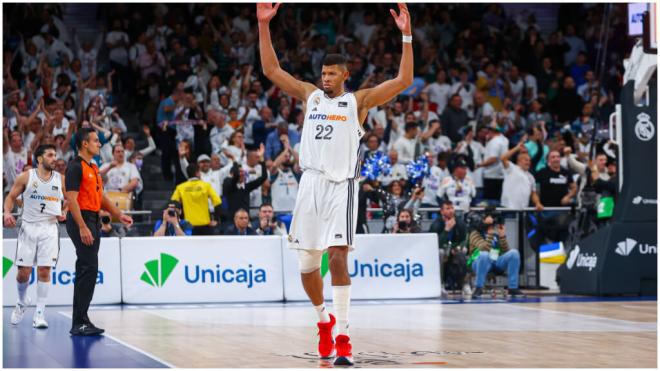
42	200
331	134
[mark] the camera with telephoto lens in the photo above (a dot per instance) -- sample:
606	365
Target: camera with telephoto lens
475	220
495	214
171	213
105	219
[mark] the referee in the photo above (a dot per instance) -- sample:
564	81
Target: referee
84	192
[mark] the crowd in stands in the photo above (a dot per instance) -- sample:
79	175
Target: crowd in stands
504	113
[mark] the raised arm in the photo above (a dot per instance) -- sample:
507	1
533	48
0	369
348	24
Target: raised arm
506	156
269	63
389	89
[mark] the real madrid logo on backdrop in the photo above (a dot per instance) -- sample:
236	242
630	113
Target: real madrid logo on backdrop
644	128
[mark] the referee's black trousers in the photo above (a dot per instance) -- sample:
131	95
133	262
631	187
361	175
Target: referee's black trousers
87	264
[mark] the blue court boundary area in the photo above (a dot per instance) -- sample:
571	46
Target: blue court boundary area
26	347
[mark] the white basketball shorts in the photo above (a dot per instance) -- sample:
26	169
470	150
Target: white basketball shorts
38	244
325	214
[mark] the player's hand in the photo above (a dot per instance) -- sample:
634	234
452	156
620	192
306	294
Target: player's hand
61	218
403	19
10	221
266	11
86	236
126	220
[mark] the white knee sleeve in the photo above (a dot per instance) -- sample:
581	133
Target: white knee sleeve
309	260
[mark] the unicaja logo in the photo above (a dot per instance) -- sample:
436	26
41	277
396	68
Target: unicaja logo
159	270
581	260
625	247
6	266
572	257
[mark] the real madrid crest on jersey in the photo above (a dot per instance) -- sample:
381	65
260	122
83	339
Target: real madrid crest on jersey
317	100
35	184
644	128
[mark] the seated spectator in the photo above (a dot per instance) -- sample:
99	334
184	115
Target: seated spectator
172	224
489	252
241	226
266	223
108	229
519	186
451	233
459	187
194	195
406	223
122	176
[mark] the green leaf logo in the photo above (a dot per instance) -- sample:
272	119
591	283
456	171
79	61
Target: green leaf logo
6	266
324	265
158	271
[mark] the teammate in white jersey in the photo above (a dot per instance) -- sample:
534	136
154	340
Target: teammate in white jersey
325	214
43	190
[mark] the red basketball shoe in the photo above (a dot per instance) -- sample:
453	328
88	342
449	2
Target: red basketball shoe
326	341
344	351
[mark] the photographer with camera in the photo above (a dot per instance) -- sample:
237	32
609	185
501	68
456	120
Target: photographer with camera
172	224
267	224
108	229
406	223
489	250
451	237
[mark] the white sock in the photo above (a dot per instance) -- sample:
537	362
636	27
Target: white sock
322	311
22	290
341	302
42	294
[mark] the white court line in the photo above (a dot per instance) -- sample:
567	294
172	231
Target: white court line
127	345
590	316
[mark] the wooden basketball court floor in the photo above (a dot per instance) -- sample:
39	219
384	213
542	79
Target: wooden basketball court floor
533	332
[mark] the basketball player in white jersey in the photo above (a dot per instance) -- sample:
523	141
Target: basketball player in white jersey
43	190
325	215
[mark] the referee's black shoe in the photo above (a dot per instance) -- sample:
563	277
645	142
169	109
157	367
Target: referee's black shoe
86	330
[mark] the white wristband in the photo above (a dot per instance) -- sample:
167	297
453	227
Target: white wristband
407	39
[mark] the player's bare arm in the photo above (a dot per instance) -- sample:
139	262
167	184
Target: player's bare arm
383	93
16	190
269	63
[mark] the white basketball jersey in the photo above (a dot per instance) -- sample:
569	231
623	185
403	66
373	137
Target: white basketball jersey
283	191
42	200
330	142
